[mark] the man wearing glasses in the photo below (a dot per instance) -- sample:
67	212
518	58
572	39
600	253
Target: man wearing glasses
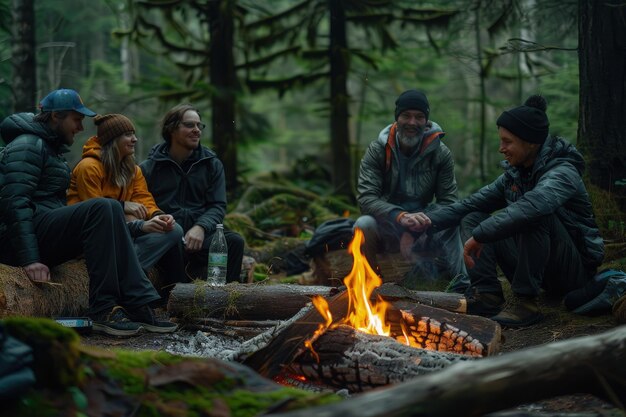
187	180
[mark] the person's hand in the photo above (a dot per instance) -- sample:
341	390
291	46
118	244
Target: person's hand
158	224
194	238
169	221
471	250
37	272
137	210
415	222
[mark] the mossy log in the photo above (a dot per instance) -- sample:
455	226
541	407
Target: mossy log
191	302
73	379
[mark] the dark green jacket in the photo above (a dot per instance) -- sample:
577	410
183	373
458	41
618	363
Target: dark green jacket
34	177
193	196
554	186
432	172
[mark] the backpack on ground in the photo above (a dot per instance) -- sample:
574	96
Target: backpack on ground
331	235
599	295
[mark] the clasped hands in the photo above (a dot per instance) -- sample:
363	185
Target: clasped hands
419	222
415	222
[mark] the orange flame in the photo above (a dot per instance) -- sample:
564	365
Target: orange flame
361	282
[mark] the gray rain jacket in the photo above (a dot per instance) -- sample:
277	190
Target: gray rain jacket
555	186
432	172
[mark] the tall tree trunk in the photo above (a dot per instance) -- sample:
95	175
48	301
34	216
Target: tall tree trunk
483	95
339	131
602	116
222	73
23	56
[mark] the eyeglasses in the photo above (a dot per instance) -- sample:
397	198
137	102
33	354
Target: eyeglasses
191	125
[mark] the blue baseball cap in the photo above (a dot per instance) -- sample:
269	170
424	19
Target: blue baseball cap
64	99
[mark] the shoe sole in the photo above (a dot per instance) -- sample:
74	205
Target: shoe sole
159	329
99	328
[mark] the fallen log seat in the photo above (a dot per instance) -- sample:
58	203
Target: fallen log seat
67	294
190	302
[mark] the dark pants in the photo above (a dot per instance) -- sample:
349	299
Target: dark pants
235	244
541	256
436	256
97	229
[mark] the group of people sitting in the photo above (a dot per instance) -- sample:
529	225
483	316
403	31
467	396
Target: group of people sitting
535	221
124	218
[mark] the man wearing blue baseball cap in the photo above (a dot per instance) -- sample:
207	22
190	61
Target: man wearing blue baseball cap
38	230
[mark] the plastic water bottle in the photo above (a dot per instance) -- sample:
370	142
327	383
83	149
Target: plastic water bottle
218	258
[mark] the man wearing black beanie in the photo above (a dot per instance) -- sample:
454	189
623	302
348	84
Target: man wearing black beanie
401	173
543	234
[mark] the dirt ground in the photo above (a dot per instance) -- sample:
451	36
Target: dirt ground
558	325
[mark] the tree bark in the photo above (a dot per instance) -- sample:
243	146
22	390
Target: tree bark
339	131
23	56
223	78
602	115
592	364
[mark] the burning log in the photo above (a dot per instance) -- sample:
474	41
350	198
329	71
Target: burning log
591	364
449	333
345	358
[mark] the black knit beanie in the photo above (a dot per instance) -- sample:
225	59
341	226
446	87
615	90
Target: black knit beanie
110	126
412	100
528	122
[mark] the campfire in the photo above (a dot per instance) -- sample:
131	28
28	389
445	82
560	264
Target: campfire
368	335
371	317
367	342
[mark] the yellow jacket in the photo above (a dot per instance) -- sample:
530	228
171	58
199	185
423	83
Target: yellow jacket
88	181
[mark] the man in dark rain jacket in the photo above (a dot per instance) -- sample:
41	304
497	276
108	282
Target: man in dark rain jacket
38	230
401	174
187	181
544	235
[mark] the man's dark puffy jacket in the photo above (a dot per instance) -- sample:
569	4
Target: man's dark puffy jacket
196	196
34	177
555	186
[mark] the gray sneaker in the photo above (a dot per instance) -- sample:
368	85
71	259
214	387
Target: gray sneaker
145	316
115	323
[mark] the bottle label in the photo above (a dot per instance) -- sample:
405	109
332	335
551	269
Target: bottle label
218	259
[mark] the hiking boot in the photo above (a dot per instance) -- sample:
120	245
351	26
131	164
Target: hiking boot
115	323
145	316
486	304
519	311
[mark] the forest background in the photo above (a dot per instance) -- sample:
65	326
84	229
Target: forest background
294	90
